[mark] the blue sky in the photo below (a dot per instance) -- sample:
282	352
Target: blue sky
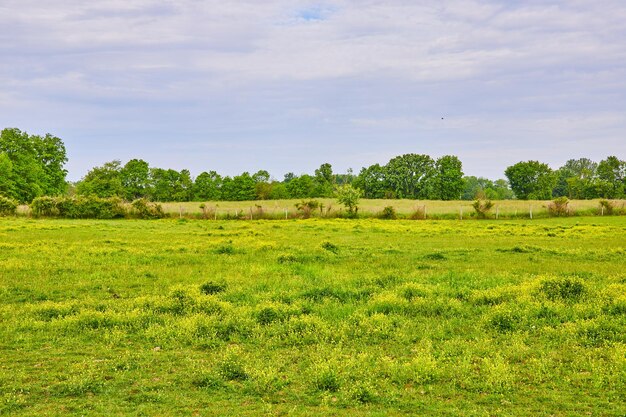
285	86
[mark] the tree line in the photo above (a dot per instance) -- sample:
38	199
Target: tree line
32	166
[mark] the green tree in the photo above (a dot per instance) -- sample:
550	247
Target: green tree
576	179
262	185
371	181
278	191
207	186
501	190
27	174
448	179
239	188
103	182
411	175
324	181
7	187
301	187
612	173
51	154
349	197
183	186
531	180
135	177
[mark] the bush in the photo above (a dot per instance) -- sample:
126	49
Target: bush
482	208
606	207
90	207
143	209
78	207
559	207
44	206
388	213
349	197
306	208
8	206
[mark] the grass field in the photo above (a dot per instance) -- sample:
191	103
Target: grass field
508	208
313	317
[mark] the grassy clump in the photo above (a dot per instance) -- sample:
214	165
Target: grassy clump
565	289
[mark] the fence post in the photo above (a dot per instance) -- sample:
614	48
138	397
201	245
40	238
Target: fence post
530	210
461	213
286	213
497	212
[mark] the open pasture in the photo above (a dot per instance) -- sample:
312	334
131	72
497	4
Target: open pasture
313	317
371	207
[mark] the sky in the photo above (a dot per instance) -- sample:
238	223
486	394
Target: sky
285	86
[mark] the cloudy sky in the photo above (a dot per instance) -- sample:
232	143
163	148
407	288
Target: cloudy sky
284	86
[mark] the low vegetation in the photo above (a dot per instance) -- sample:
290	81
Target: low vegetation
181	317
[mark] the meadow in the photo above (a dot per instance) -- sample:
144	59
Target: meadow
371	207
317	317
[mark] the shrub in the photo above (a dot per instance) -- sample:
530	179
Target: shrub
559	207
306	208
8	206
143	209
606	207
78	207
90	207
44	206
418	214
388	213
482	208
349	197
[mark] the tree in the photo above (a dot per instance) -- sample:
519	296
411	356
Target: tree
262	185
103	182
576	179
36	164
448	178
501	190
301	187
183	186
371	181
50	152
207	186
7	186
135	177
531	180
612	172
239	188
410	175
480	188
349	197
324	181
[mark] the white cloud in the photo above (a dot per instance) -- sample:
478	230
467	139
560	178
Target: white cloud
345	71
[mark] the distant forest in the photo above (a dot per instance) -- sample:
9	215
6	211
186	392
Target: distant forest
33	166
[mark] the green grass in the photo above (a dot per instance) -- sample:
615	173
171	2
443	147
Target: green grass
313	317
